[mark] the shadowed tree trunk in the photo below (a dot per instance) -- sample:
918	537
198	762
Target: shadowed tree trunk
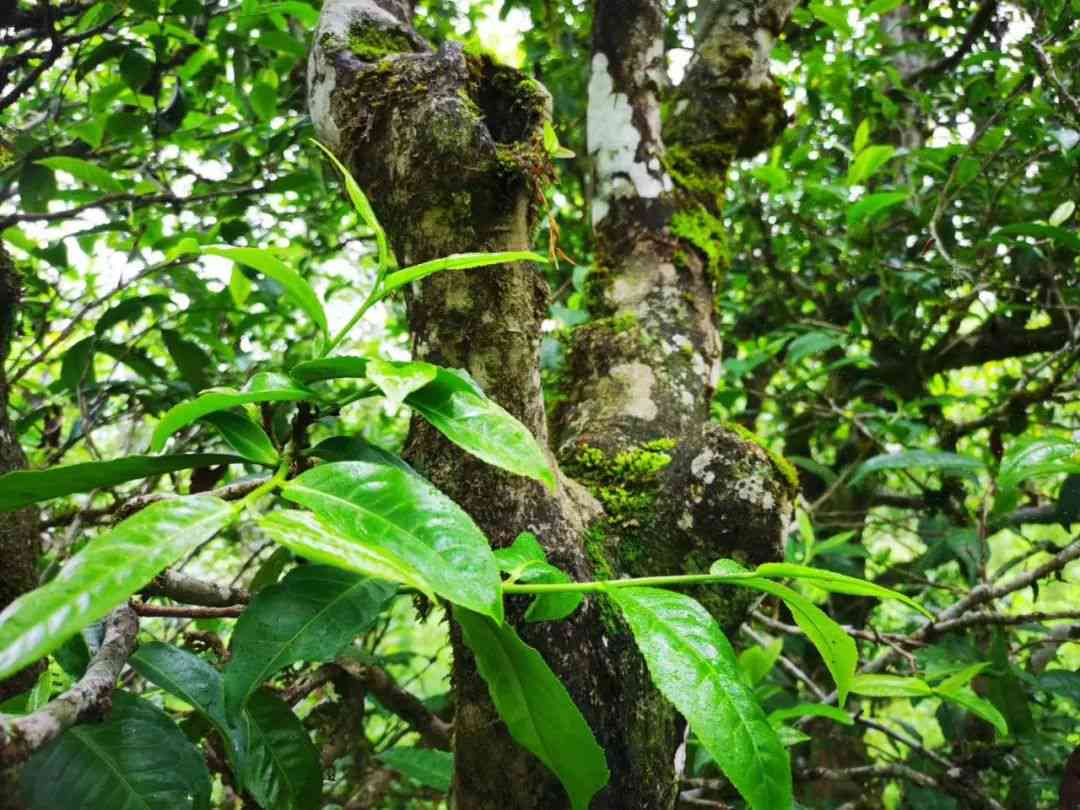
19	539
449	146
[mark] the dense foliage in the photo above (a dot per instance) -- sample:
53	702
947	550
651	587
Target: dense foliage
897	287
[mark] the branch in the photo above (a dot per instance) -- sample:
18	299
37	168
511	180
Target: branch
185	612
433	729
979	23
192	591
91	696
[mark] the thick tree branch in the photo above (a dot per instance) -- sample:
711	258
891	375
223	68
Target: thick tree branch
90	697
191	591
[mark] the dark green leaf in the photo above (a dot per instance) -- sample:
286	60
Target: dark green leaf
917	459
329	368
19	488
536	707
309	616
693	665
281	767
136	760
112	567
193	363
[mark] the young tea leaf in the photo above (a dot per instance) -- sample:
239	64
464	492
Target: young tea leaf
457	261
244	436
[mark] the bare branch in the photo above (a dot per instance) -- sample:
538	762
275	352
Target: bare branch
91	696
433	729
191	591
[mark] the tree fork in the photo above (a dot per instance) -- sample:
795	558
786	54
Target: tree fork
449	147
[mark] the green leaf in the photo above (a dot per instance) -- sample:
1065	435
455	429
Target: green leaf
398	380
309	616
537	709
84	171
135	760
979	707
460	410
22	487
836	647
264	101
244	436
757	662
693	666
329	368
1036	230
525	561
868	161
263	387
397	511
917	459
870	205
837	583
874	685
304	534
862	136
457	261
1037	457
1062	213
281	767
812	710
295	286
195	682
363	208
812	343
433	769
193	363
240	286
833	16
112	567
958	680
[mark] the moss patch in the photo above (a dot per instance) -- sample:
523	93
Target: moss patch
783	466
370	43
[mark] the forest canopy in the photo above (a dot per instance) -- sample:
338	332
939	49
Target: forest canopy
539	404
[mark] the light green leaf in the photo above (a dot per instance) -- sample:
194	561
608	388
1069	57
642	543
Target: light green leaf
961	679
812	710
870	205
979	707
862	136
263	387
918	459
240	286
874	685
1036	457
525	561
1062	213
294	285
433	769
112	567
398	380
84	171
812	343
536	707
836	647
757	662
833	16
137	759
460	410
397	511
868	161
22	487
304	534
363	208
309	616
837	583
244	436
693	666
457	261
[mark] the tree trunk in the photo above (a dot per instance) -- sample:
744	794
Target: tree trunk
19	538
449	146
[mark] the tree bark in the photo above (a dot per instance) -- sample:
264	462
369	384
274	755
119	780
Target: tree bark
449	146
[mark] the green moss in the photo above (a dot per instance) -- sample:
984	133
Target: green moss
701	170
783	466
705	232
371	43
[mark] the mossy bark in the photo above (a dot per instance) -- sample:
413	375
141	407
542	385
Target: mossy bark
449	146
19	538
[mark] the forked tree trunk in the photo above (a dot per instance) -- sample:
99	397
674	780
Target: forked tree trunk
449	146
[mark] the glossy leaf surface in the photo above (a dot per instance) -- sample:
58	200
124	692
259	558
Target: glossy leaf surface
390	509
693	665
244	436
112	567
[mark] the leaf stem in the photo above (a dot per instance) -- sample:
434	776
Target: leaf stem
600	586
275	481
